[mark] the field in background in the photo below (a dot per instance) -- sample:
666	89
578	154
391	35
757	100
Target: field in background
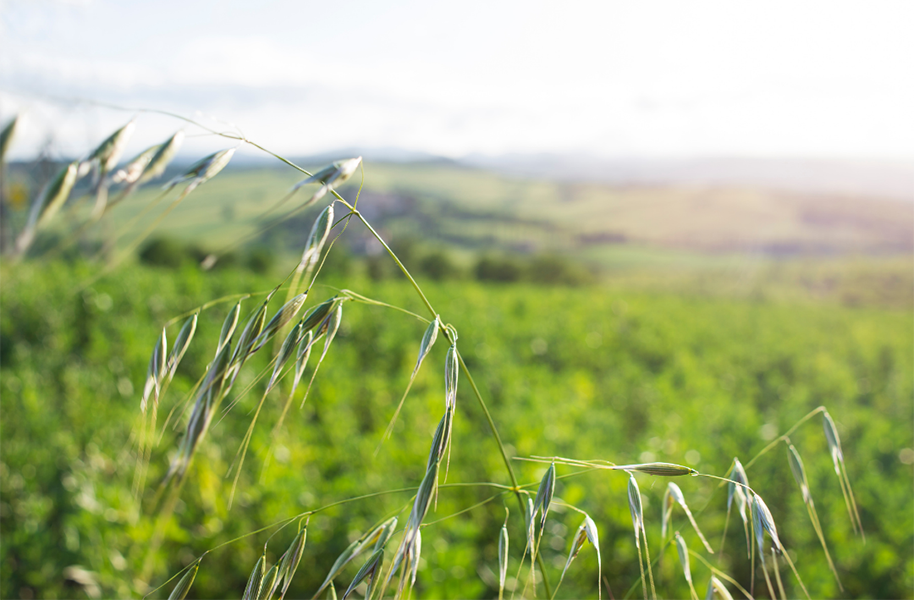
473	208
592	372
716	319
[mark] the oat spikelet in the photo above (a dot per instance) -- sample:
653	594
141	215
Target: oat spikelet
162	157
183	587
683	551
502	557
673	496
330	177
837	456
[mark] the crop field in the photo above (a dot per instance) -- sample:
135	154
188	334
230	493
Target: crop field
616	371
461	207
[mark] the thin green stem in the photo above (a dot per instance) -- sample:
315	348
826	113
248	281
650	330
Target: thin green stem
783	437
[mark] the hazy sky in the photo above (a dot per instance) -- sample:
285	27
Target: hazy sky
642	79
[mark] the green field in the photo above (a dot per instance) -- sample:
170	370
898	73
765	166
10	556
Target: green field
471	209
679	324
635	368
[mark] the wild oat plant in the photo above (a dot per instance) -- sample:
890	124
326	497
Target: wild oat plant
301	333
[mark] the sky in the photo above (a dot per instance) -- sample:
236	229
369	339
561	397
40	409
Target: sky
650	79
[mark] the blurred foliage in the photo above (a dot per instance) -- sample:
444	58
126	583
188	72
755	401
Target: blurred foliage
608	372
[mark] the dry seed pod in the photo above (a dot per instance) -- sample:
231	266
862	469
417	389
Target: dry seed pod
428	340
450	376
544	493
162	158
183	587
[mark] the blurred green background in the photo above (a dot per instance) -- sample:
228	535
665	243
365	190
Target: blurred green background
600	323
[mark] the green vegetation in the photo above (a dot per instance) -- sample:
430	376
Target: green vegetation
580	371
592	372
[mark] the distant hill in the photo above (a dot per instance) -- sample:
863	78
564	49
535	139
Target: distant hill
860	179
709	209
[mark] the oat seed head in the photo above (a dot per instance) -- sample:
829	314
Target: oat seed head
228	327
6	136
717	590
799	473
279	320
162	157
50	200
316	238
368	571
132	171
292	558
544	493
834	442
502	558
268	584
763	522
683	551
204	169
428	340
182	342
659	469
183	587
252	589
634	506
109	151
450	377
416	555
